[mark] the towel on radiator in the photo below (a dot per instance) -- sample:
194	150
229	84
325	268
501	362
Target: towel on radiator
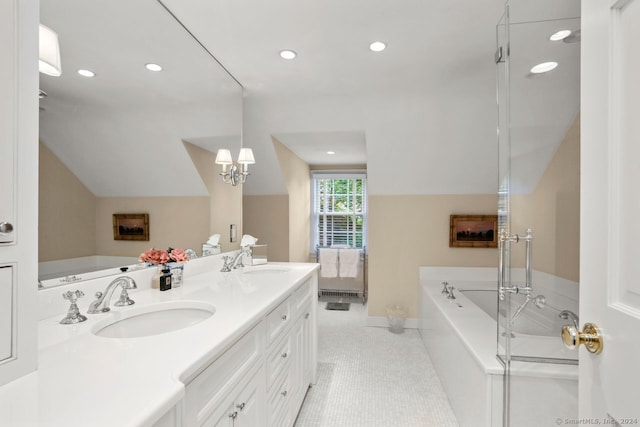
349	261
328	259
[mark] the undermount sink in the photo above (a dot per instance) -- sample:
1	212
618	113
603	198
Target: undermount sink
270	270
154	319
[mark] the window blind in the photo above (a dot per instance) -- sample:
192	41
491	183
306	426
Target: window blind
339	209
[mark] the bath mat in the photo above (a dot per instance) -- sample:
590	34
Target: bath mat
343	306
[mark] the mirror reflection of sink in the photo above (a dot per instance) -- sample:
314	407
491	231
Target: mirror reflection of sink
154	319
259	271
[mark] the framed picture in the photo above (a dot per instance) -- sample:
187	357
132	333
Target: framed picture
473	231
131	226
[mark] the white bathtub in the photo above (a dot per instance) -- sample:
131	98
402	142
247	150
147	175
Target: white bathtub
461	340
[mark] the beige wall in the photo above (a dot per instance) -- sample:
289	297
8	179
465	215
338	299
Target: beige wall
67	212
225	199
177	222
553	212
406	232
267	218
297	179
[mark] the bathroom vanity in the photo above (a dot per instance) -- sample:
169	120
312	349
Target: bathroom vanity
248	357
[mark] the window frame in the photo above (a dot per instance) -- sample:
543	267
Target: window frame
316	215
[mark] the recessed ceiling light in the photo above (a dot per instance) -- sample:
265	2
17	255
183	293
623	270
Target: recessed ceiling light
377	46
544	67
288	54
153	67
560	35
331	152
86	73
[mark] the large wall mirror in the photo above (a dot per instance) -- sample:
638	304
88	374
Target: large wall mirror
129	139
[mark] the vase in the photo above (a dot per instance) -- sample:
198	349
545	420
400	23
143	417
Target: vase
177	270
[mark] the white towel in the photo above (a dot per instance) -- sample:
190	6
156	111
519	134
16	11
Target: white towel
349	261
213	240
328	259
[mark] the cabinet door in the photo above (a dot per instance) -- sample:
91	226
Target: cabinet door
18	187
251	403
307	348
7	122
6	312
297	364
224	419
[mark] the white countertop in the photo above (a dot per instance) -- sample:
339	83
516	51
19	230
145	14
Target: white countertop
87	380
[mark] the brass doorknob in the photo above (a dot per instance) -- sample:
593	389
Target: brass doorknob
590	337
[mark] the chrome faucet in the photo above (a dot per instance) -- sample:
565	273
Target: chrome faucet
568	314
236	261
101	304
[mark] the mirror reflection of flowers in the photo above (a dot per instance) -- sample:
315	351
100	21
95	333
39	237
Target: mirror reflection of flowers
160	256
178	255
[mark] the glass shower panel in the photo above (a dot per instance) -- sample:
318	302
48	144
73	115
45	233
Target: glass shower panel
542	196
538	145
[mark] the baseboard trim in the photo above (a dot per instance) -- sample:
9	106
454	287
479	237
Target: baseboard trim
383	322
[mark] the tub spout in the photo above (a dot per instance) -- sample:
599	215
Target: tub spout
568	314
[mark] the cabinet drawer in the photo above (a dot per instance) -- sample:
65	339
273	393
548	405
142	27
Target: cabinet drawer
278	319
278	359
301	298
214	384
279	397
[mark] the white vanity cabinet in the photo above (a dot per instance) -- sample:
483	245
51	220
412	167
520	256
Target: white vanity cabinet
213	396
262	379
246	408
291	356
302	355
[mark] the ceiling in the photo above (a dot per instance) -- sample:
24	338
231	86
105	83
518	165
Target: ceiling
427	101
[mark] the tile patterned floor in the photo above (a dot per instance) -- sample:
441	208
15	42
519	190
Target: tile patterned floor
370	377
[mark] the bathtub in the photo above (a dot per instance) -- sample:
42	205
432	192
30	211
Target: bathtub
460	336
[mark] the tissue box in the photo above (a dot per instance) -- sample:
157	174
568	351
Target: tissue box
258	255
208	249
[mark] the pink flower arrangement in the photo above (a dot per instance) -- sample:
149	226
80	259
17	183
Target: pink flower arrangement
178	255
155	256
160	256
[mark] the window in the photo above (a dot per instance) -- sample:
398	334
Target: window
339	209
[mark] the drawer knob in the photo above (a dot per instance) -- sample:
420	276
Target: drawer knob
284	393
233	415
284	355
306	316
5	227
284	317
240	406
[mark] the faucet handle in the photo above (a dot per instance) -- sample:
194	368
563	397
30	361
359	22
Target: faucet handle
451	295
227	264
73	314
73	295
445	290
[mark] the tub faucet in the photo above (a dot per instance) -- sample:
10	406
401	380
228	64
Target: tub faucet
101	304
539	301
568	314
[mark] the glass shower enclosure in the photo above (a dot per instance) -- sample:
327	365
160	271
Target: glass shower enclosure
538	207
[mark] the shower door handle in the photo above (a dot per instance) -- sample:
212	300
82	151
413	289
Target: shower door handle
590	337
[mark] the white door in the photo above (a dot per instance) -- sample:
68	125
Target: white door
610	209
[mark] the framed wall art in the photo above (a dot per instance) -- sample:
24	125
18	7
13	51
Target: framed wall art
473	231
131	227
